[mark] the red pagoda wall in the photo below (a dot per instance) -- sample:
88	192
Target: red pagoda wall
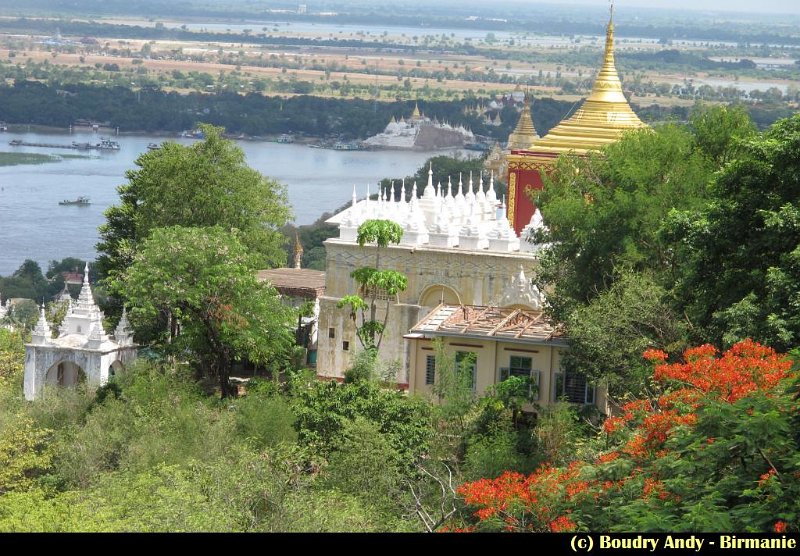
524	174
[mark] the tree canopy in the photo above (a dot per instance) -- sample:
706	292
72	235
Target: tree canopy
740	253
204	184
204	279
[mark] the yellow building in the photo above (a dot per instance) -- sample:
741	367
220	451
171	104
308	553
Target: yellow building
502	342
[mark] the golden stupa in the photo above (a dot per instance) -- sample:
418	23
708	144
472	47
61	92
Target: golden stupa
524	135
601	119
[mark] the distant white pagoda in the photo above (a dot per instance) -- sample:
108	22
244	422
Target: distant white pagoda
81	351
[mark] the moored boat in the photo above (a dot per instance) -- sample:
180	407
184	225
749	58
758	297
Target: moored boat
81	201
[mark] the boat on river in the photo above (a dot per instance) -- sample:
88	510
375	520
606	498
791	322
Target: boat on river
80	201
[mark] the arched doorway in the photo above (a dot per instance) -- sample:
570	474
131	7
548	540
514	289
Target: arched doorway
65	373
432	296
115	368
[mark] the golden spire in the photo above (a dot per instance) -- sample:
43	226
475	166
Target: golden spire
298	252
524	135
416	114
604	115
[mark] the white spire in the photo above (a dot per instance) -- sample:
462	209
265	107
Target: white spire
502	236
41	334
470	196
521	291
527	235
491	195
122	334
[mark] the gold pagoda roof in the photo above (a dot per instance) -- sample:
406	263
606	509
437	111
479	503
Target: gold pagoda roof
524	135
602	118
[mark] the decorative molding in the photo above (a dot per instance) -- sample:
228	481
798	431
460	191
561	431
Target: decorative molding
545	165
512	196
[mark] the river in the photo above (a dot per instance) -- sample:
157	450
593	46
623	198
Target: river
34	226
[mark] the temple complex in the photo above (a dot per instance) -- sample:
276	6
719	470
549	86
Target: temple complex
601	120
469	284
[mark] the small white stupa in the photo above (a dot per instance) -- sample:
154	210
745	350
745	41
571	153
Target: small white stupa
82	350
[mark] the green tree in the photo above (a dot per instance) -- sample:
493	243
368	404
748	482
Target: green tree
608	335
721	130
374	282
740	255
205	279
606	211
204	184
26	282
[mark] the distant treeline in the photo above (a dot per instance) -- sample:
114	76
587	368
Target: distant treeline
154	110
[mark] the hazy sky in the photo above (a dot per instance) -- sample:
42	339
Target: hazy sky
754	6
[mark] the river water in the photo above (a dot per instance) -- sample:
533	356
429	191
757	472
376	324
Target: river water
34	226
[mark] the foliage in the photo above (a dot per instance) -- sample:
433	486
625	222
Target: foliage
201	185
364	464
740	254
492	455
204	279
24	454
12	353
721	130
265	420
26	282
605	212
323	410
608	335
713	452
373	282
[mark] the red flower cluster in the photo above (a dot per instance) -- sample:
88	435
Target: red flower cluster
562	524
547	499
744	369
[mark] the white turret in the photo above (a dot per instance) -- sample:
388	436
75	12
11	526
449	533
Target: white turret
415	231
528	234
348	228
472	235
520	291
441	232
502	236
41	334
470	196
122	333
429	201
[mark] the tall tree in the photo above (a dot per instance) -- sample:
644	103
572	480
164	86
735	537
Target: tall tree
740	256
205	278
605	211
373	283
204	184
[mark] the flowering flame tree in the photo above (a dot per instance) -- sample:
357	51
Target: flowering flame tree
717	450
